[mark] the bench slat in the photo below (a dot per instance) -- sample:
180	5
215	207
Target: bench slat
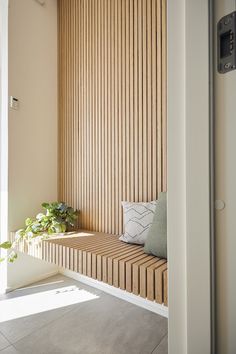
143	276
151	279
165	274
124	265
113	268
159	283
110	257
136	272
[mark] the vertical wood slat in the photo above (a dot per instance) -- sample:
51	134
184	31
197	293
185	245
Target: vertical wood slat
133	264
136	273
143	277
113	269
165	287
159	94
106	264
164	95
119	118
159	282
112	106
151	279
140	102
113	249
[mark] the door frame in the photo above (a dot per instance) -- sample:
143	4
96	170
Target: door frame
3	136
190	241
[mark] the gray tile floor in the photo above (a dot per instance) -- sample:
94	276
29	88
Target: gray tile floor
62	316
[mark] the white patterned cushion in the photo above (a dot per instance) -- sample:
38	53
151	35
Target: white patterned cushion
137	220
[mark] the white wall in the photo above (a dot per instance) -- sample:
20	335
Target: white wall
33	128
225	146
188	177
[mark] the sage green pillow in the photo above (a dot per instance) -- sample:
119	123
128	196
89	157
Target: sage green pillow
156	242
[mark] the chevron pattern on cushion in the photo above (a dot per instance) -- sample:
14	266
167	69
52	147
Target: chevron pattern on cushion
138	218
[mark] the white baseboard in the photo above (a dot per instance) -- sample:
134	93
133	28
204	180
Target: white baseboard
32	280
122	294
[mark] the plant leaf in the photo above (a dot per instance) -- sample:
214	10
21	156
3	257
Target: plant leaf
40	216
12	257
6	245
45	205
28	221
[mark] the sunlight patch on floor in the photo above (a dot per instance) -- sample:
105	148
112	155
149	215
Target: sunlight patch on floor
27	305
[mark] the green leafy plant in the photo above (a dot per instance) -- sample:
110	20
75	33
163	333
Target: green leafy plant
57	218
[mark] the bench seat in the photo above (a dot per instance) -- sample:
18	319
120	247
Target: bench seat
105	258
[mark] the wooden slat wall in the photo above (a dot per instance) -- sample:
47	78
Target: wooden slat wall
112	106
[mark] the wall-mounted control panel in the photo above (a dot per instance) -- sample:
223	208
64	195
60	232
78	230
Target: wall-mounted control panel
226	31
14	103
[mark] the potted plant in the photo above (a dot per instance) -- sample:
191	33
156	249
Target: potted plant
57	218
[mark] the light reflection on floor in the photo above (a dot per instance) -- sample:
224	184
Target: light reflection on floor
26	305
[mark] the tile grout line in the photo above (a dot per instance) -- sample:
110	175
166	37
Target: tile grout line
45	325
6	340
10	345
158	345
10	342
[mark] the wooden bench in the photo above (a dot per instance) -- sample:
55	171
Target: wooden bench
105	258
